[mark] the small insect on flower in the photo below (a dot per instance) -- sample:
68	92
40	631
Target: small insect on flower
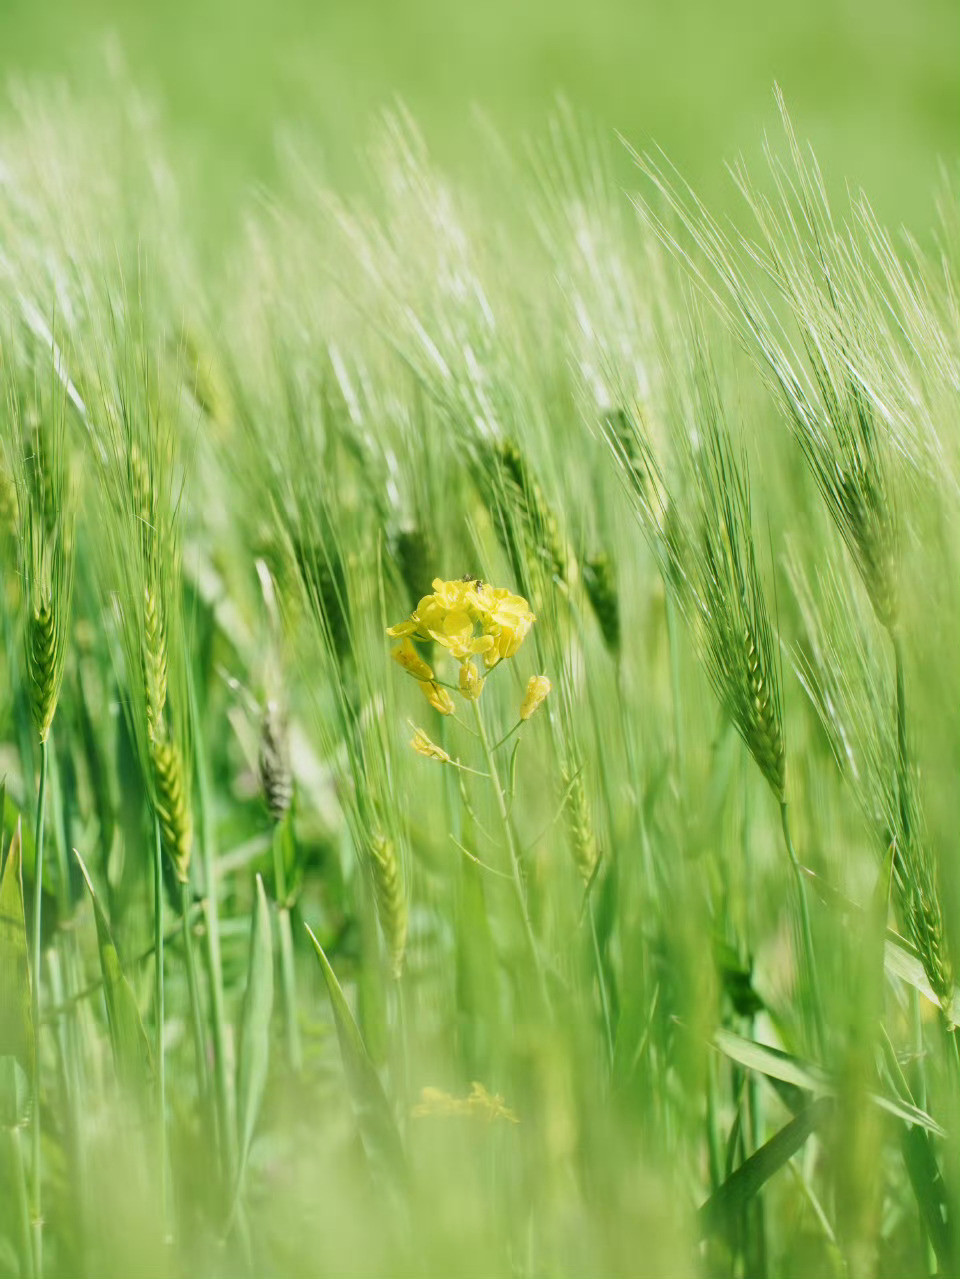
422	744
538	687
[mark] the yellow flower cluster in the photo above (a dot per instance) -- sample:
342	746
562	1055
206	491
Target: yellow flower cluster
471	620
480	1104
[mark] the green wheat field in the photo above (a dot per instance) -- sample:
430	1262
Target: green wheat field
479	703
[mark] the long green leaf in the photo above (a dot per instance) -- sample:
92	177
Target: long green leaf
778	1065
930	1194
378	1128
740	1187
16	1025
770	1061
901	963
253	1063
131	1048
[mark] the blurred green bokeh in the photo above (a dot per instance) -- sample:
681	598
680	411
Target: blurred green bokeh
874	84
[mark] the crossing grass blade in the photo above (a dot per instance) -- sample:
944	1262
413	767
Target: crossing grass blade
253	1061
782	1066
378	1127
748	1180
131	1048
930	1193
16	1026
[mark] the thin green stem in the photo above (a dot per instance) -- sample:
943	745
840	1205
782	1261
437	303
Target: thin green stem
673	646
602	984
282	835
513	847
23	1200
158	1001
215	980
903	759
36	1170
193	988
506	737
804	924
63	981
225	1109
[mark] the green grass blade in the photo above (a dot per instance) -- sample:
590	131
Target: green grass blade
772	1062
253	1061
742	1185
899	962
781	1066
930	1193
16	1026
378	1128
131	1048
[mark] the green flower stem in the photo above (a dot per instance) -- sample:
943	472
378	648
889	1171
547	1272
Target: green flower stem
37	1180
513	847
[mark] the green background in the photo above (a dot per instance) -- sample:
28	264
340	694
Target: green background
875	84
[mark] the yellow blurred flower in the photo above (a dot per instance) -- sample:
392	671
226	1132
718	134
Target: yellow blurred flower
480	1104
407	627
471	685
406	655
422	744
438	697
538	686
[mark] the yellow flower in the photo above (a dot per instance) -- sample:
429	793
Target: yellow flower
469	619
491	657
479	1104
490	1107
538	686
438	697
407	656
407	627
471	685
422	744
508	620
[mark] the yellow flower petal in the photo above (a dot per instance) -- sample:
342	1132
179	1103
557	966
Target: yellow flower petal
422	744
471	685
490	658
406	655
407	627
438	697
538	686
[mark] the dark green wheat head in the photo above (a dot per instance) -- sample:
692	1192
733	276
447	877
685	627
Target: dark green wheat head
276	777
524	516
599	581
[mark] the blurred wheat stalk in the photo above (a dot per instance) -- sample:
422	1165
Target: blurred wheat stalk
555	926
